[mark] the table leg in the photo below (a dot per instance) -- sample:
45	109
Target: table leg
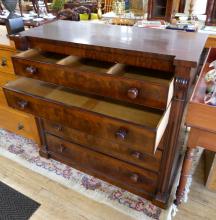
185	173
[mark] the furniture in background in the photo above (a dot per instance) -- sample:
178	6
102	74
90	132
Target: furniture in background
201	118
36	7
211	12
1	9
162	9
210	157
107	6
112	110
92	6
14	25
211	42
10	119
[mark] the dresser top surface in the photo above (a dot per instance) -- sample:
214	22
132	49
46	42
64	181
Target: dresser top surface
181	45
5	42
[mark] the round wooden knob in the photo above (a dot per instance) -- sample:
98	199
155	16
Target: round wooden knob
31	70
134	177
22	104
20	126
61	148
58	127
136	154
121	134
3	61
133	93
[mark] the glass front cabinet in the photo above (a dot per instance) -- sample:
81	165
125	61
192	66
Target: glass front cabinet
162	9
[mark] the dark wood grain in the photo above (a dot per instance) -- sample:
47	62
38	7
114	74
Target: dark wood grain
129	153
88	115
154	88
173	52
99	165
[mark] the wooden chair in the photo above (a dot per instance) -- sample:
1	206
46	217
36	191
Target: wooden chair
80	10
37	8
1	8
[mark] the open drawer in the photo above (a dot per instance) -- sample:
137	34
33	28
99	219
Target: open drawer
201	115
131	84
103	119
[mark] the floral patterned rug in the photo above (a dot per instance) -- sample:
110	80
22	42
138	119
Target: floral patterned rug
25	152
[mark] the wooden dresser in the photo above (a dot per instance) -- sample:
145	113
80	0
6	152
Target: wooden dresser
10	119
109	100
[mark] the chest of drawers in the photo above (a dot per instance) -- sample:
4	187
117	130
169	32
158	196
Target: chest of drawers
10	119
108	100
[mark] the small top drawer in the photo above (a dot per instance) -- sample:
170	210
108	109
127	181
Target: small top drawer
131	84
6	62
113	121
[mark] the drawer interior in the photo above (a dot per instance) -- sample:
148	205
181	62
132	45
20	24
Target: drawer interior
101	67
201	85
146	74
85	64
41	56
138	73
141	116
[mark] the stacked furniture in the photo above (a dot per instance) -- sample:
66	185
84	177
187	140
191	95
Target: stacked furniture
109	100
10	119
163	9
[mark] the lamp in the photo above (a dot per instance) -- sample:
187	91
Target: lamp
10	5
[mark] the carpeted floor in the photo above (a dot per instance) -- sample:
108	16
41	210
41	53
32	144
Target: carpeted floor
25	152
14	205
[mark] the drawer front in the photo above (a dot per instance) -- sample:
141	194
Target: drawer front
19	123
91	123
122	174
147	93
2	98
5	78
129	153
6	62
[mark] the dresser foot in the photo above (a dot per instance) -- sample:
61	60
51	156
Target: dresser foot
185	173
44	153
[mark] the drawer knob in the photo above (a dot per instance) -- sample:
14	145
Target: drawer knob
61	148
3	61
57	127
134	177
133	93
136	154
121	134
22	104
20	126
31	70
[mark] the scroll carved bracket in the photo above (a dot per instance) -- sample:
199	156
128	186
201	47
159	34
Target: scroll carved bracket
181	87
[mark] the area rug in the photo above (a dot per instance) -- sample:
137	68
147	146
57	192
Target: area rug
14	205
25	152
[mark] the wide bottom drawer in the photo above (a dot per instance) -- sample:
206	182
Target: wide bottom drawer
19	123
129	177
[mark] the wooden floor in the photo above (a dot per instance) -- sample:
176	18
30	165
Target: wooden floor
58	202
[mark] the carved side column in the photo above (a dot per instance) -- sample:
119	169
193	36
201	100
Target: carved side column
185	174
171	144
43	148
